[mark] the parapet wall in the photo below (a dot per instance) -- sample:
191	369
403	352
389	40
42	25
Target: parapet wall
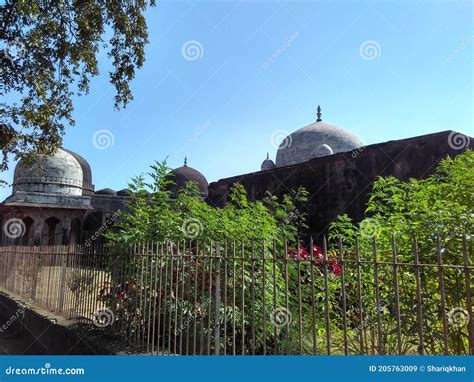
341	183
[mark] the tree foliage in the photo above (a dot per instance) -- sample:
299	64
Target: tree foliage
49	54
439	212
154	214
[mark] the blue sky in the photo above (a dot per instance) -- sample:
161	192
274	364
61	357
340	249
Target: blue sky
384	70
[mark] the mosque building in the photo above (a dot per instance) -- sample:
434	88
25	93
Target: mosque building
55	202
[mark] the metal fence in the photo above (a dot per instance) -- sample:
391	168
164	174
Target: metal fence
367	297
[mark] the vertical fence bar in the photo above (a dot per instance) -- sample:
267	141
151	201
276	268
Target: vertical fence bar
343	292
62	283
225	298
419	301
166	257
326	297
194	308
171	293
274	257
377	297
264	302
361	305
397	294
154	335
287	308
201	308
176	328
243	299
190	282
252	326
467	276
234	307
300	313
252	271
181	311
443	295
209	300
217	298
313	297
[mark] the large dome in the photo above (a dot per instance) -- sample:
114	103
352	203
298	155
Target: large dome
65	172
315	140
184	174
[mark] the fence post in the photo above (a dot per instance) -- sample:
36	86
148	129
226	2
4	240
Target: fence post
217	312
443	295
377	297
64	257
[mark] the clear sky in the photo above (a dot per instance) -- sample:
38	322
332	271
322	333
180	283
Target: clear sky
223	80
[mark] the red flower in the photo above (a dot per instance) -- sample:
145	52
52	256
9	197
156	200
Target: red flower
335	268
301	254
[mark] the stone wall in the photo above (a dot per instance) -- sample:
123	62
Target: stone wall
341	183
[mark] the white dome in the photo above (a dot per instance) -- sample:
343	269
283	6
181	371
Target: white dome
62	173
323	150
306	143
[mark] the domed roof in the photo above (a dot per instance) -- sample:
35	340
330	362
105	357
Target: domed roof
267	164
65	172
106	191
323	150
184	174
124	192
307	143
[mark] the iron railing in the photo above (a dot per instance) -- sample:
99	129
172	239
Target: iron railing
257	297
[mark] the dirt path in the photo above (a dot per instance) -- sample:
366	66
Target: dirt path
11	346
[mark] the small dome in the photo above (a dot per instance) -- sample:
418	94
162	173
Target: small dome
267	164
124	192
184	174
307	142
106	191
323	150
64	172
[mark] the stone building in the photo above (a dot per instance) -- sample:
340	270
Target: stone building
338	170
55	202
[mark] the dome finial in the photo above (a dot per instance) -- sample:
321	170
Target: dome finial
268	156
319	114
185	161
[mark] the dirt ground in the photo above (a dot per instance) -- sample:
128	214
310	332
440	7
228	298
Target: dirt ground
12	346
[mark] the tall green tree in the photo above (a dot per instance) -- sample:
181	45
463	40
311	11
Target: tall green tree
49	54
